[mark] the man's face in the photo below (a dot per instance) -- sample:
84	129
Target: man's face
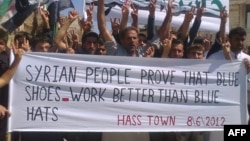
101	50
142	40
42	47
195	54
2	46
90	45
130	40
176	51
237	43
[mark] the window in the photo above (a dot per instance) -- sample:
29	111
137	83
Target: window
248	16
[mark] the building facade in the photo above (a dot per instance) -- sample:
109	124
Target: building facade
239	15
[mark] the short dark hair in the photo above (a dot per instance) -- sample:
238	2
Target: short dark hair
124	31
196	46
198	40
142	34
41	38
23	34
4	35
101	42
177	41
90	34
237	31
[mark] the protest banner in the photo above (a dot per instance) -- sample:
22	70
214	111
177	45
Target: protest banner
210	20
62	92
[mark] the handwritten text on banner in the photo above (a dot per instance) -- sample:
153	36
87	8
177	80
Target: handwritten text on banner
62	92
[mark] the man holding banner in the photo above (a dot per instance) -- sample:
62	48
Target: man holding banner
236	38
9	73
88	93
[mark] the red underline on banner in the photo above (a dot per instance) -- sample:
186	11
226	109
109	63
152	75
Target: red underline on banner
65	99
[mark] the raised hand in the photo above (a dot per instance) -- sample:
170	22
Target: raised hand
44	13
149	52
115	25
68	41
166	45
189	15
207	42
200	11
225	44
134	13
4	112
90	12
223	15
74	37
152	7
169	7
85	25
73	15
22	43
125	14
125	8
198	35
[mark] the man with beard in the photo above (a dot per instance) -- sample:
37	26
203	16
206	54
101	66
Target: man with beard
90	42
236	38
129	37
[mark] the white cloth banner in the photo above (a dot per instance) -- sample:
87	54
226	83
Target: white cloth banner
62	92
210	19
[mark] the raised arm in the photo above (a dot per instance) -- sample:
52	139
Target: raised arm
86	25
151	20
196	25
35	23
166	25
134	15
59	39
101	20
220	34
166	45
224	41
6	77
184	28
115	25
207	43
90	12
223	21
45	18
226	48
125	13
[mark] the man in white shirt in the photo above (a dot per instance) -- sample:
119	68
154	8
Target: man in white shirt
237	37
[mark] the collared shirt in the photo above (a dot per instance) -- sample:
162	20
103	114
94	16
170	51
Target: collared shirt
117	50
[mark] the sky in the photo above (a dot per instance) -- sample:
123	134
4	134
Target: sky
78	6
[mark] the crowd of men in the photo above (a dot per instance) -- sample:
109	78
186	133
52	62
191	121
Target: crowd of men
124	40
